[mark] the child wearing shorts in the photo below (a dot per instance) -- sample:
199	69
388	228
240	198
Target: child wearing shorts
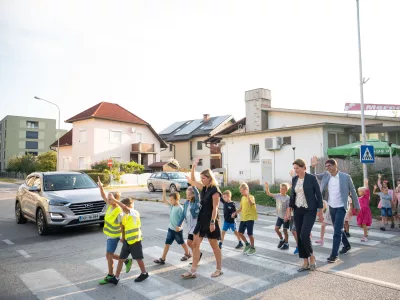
229	222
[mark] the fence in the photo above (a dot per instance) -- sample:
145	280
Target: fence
12	175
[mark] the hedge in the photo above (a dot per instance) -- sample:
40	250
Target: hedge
105	178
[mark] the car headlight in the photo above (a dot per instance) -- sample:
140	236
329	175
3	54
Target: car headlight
57	202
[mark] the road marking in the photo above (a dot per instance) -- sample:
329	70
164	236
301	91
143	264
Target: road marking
230	278
23	253
360	232
8	242
163	230
49	284
265	220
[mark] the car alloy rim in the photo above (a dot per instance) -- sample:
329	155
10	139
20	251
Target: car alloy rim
40	221
151	187
17	211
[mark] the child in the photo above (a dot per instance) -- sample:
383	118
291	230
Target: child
397	199
282	210
175	232
327	218
112	229
131	239
348	217
248	214
191	210
292	227
386	205
385	183
364	218
229	222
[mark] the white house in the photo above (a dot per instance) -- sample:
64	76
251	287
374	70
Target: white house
262	146
108	131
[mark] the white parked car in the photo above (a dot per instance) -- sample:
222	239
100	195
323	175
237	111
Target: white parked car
175	181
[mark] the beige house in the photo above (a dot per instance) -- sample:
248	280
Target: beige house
186	141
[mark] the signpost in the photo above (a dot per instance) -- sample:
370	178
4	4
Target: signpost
370	106
110	163
367	154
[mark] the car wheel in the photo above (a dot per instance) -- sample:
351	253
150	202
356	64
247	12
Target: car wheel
18	214
172	188
41	224
151	188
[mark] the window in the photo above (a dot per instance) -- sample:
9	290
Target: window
170	147
394	137
32	124
115	137
29	181
31	145
331	140
287	140
36	182
200	162
66	163
343	139
82	163
380	136
4	155
164	176
255	152
31	153
158	175
82	136
32	135
5	134
199	145
138	137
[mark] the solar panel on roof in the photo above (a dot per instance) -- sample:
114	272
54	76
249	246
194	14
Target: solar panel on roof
215	122
189	128
172	127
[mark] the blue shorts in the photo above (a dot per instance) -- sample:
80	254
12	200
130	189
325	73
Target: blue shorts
386	212
246	225
172	236
227	226
112	245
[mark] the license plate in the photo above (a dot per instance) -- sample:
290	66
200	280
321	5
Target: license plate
89	217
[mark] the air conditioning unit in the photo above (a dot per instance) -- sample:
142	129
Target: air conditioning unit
273	143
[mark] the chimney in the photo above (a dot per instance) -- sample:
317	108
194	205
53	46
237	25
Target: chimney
258	102
206	117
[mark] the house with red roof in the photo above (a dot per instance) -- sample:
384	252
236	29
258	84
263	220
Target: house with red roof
108	131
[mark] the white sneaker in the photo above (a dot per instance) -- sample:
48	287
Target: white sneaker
364	239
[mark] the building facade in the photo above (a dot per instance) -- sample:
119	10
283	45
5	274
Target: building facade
25	135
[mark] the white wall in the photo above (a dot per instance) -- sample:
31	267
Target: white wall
65	154
236	153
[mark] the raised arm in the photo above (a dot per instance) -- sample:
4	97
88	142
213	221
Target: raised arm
102	193
375	188
379	181
366	182
193	181
164	195
267	190
353	192
124	208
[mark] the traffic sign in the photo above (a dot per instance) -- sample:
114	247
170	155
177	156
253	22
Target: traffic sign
367	154
110	163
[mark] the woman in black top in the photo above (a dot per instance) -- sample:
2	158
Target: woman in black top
207	222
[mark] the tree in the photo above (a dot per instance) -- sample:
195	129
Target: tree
24	164
47	161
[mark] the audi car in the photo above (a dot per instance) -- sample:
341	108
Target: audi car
175	181
59	199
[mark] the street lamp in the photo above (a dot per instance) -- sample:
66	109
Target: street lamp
391	164
362	82
58	131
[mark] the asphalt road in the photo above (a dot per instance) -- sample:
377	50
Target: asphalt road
68	264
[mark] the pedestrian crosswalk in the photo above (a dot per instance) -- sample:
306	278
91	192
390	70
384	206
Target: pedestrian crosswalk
244	276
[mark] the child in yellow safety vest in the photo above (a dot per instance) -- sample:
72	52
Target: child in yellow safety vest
112	229
131	239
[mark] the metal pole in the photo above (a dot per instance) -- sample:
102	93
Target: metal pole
391	166
364	138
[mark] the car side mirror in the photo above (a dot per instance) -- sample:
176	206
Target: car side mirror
34	189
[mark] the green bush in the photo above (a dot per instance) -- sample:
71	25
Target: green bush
46	162
101	165
104	177
132	168
28	163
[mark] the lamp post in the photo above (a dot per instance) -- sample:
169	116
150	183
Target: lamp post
58	131
362	82
391	164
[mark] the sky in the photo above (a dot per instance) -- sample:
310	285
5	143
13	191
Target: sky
172	60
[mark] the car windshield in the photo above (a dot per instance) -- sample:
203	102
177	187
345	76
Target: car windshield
62	182
177	176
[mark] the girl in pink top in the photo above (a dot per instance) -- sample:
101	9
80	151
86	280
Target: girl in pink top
364	218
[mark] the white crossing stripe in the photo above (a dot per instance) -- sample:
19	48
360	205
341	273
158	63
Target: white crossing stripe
265	220
360	232
329	236
230	278
273	247
49	284
8	242
154	287
23	253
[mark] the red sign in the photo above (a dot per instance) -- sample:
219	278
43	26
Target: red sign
110	163
357	107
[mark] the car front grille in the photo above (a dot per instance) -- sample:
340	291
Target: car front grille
87	207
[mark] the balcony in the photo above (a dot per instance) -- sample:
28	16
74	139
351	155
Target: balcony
142	148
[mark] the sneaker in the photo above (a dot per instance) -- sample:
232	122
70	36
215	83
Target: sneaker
345	250
320	242
239	245
251	251
285	247
281	244
364	239
114	280
141	277
392	226
383	228
106	279
296	251
128	265
333	259
246	249
220	245
347	234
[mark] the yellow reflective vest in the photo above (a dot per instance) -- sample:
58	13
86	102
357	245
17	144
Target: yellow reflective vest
133	233
111	228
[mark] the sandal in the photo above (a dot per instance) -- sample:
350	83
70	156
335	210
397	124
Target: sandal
159	261
189	275
186	257
201	255
217	273
304	268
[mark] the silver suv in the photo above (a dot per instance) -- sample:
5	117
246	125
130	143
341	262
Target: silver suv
59	199
175	181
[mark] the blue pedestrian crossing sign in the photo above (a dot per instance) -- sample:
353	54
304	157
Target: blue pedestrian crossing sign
367	154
